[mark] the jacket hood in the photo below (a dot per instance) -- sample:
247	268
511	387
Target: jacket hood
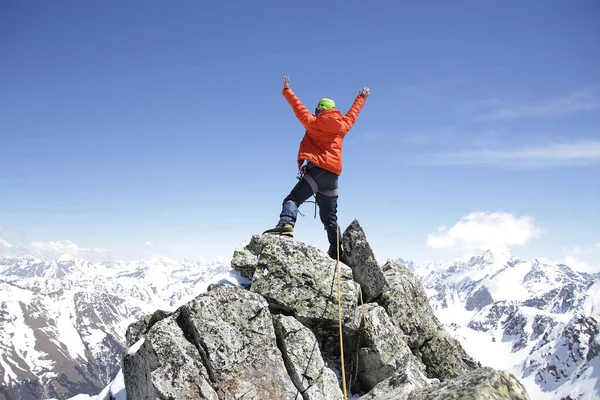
330	121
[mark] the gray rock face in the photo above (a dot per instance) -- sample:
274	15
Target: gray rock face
399	386
166	365
303	360
491	315
301	280
279	339
576	345
245	257
220	345
408	307
383	351
136	330
480	384
479	299
361	259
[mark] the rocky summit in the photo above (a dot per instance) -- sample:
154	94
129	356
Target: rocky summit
279	338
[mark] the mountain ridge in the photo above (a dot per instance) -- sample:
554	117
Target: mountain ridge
63	321
544	308
526	315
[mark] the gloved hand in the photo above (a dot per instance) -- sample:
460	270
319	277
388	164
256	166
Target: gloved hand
286	82
364	92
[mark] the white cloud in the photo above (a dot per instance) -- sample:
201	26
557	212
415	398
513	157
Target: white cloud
587	99
585	250
49	250
148	244
544	156
485	230
579	264
583	258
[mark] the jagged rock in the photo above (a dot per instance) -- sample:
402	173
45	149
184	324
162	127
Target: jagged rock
136	330
165	365
224	337
383	351
480	384
361	259
489	317
279	339
514	331
559	300
245	258
301	281
303	360
408	307
575	345
541	323
399	386
479	299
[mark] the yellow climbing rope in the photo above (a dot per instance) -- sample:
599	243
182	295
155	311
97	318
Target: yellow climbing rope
340	311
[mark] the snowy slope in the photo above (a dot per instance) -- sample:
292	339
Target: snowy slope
537	319
63	322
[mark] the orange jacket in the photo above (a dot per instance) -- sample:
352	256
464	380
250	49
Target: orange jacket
322	142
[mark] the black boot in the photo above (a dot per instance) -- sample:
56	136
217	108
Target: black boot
334	236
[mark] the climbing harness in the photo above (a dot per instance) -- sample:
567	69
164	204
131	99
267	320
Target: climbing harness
301	172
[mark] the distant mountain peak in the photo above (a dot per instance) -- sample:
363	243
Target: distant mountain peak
492	255
78	312
536	318
65	258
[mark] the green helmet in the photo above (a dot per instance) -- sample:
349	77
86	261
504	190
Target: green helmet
325	104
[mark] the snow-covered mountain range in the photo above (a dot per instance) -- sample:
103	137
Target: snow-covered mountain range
63	321
536	319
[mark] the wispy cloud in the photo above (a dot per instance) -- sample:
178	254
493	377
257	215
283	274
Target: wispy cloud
49	250
586	249
583	258
485	230
550	155
587	99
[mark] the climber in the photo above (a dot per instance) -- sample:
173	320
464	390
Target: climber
319	163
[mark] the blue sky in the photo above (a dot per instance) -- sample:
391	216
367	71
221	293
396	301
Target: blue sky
151	127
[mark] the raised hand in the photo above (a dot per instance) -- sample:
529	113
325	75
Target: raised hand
364	92
286	82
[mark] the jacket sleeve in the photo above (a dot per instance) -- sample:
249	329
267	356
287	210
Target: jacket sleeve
304	116
352	114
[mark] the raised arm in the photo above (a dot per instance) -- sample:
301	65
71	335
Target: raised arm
305	117
359	102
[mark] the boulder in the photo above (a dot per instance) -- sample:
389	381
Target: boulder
302	357
279	339
136	330
301	281
359	256
480	384
222	343
383	351
408	307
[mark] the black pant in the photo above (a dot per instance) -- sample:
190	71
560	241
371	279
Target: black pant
316	181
